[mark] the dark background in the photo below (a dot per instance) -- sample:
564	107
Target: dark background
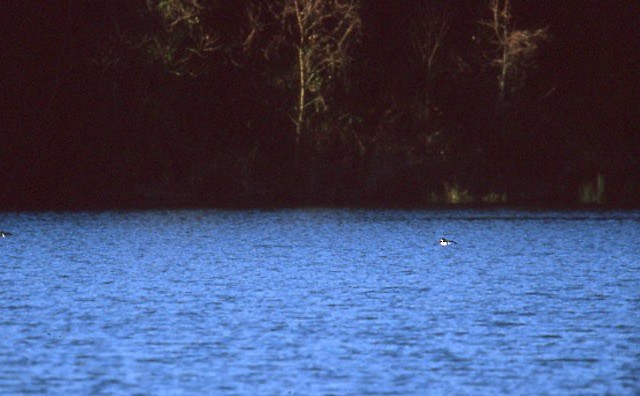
89	120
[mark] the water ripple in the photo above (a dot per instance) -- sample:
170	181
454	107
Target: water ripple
320	302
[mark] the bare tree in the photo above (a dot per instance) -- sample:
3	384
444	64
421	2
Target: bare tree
428	39
318	33
323	32
301	47
182	40
515	48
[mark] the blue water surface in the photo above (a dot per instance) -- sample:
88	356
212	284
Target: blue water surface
320	302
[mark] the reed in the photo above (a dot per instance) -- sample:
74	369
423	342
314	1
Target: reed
453	194
494	198
592	191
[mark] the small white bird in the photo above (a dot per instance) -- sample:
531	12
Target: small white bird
446	242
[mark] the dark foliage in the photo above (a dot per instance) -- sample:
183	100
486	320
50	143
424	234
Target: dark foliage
94	116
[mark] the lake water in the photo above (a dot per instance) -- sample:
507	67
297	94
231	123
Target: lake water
320	302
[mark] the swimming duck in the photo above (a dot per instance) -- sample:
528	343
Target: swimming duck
445	242
4	234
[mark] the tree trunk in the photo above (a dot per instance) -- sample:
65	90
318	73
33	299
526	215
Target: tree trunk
302	75
505	14
300	119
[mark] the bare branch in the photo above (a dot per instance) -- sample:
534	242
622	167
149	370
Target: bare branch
515	48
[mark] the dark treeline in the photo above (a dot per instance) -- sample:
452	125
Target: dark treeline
345	102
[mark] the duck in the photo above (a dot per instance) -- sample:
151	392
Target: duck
446	242
4	234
